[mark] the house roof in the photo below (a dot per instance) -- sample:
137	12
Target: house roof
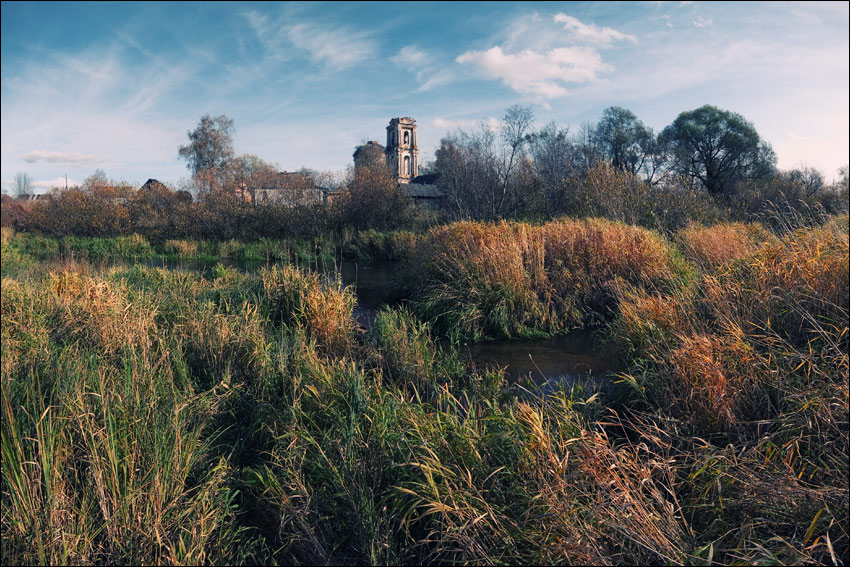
422	191
428	179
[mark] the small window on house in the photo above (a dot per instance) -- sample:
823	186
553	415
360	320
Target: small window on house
407	165
406	138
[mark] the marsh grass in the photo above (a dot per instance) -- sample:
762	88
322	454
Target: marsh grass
521	280
155	416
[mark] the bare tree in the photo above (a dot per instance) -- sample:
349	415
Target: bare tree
554	158
478	170
22	185
250	175
468	174
515	126
808	177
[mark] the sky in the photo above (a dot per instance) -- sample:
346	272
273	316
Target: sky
117	86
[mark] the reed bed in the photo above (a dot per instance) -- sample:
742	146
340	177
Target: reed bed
518	280
153	416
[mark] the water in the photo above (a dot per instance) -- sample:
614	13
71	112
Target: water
563	359
373	284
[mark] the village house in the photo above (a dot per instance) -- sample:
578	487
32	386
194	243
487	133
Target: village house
288	188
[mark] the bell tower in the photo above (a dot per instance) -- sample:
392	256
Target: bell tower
402	151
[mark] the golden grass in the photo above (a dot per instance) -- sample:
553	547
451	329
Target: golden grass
516	279
715	247
183	248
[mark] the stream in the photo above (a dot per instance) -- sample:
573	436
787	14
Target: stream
565	359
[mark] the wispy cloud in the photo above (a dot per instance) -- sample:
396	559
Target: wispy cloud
701	22
666	19
430	73
451	124
64	158
335	46
411	55
55	182
591	33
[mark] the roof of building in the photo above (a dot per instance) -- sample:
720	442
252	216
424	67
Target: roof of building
422	191
152	183
428	179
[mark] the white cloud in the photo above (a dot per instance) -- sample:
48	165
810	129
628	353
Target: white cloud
701	22
540	75
591	33
64	158
539	57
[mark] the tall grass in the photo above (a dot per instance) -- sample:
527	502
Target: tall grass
753	364
515	279
156	416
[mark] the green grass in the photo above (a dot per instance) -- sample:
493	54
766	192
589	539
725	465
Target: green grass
320	251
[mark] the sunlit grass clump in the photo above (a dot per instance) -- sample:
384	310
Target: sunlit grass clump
516	279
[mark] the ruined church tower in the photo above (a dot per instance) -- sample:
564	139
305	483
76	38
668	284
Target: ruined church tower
402	151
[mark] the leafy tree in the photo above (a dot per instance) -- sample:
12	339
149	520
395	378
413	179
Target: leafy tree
625	141
370	155
210	149
718	149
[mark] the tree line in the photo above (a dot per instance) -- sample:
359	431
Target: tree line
709	165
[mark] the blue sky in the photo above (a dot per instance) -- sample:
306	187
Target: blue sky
116	86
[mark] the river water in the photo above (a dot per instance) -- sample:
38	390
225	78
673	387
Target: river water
562	359
549	362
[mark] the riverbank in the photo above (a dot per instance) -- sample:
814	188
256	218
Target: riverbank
25	248
154	415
